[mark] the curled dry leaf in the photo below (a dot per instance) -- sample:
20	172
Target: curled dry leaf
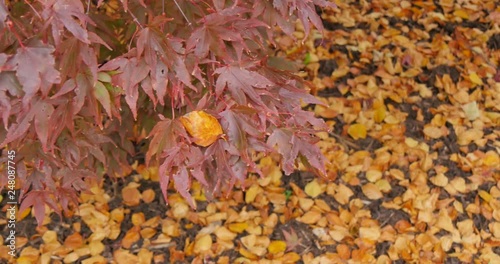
203	127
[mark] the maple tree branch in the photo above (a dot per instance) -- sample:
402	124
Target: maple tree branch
10	25
135	19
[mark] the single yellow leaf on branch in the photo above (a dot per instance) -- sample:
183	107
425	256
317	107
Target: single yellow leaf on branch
203	127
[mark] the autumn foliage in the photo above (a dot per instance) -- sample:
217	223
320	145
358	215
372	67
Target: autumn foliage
81	83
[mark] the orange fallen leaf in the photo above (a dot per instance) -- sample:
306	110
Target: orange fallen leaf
74	241
203	127
131	196
310	217
124	256
343	251
131	237
138	218
148	195
291	257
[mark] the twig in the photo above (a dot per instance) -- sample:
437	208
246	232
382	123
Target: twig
184	15
88	7
134	17
345	142
34	10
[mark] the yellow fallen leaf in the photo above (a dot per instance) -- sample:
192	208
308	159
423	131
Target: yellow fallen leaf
343	194
203	127
357	131
95	260
373	175
203	243
433	131
71	258
372	191
117	215
471	110
96	247
491	159
138	218
410	142
49	236
379	114
461	13
251	193
372	233
306	203
247	254
276	246
124	256
23	214
179	210
249	241
444	221
24	260
225	234
474	78
495	228
459	184
313	189
384	185
439	180
237	227
145	256
468	136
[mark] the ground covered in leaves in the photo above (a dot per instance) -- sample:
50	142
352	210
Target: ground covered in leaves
412	94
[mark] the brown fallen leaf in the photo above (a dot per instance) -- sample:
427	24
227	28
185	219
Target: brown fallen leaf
203	127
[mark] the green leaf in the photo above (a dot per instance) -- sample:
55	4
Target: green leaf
102	95
307	59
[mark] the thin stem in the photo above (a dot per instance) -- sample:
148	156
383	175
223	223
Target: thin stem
88	7
10	25
134	17
32	8
184	15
